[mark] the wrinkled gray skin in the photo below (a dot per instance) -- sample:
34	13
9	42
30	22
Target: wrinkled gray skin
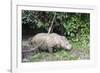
45	41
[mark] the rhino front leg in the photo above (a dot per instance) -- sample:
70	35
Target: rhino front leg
50	50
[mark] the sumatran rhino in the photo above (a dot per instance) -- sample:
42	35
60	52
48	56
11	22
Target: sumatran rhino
45	41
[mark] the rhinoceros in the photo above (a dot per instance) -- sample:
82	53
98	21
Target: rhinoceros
45	41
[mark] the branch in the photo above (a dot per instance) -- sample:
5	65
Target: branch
52	23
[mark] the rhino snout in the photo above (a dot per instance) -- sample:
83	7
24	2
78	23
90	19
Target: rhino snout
68	47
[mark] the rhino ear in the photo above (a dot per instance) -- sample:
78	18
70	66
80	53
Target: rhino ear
63	37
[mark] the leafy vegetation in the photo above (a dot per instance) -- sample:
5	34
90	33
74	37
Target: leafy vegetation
75	26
